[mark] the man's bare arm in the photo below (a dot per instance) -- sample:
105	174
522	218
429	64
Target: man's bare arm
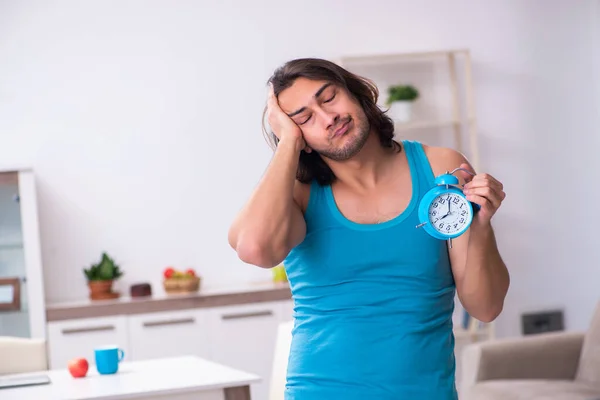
481	276
271	223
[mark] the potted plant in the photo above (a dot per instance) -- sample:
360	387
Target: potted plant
100	278
400	101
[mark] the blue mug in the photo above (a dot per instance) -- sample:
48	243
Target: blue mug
108	359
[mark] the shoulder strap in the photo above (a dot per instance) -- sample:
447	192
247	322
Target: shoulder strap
422	163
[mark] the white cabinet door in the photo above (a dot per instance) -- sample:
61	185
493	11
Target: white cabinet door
78	338
243	337
169	334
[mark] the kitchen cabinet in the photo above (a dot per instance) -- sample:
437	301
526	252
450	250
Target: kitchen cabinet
22	305
243	336
169	334
78	338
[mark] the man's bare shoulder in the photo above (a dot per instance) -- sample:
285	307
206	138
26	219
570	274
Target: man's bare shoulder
443	159
301	194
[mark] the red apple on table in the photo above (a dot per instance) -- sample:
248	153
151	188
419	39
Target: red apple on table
78	367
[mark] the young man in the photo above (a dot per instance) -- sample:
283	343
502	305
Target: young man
373	294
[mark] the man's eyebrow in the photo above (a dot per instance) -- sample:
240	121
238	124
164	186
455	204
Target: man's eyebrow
317	94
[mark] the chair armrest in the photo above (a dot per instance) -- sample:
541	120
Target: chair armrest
552	355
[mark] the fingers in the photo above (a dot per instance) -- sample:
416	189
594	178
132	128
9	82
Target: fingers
465	175
485	180
271	99
485	195
486	205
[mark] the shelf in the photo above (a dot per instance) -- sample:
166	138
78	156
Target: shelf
11	246
398	57
406	126
478	335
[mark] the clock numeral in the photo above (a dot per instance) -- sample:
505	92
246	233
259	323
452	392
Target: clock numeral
442	201
447	227
455	201
462	205
434	212
462	220
435	205
464	212
441	225
455	225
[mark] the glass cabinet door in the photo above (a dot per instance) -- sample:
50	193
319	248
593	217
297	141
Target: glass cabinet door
14	312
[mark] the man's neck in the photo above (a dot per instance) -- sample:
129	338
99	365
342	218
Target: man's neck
372	165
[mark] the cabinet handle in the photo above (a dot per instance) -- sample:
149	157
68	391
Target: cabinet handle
170	322
247	315
87	330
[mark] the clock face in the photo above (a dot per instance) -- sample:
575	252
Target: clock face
449	213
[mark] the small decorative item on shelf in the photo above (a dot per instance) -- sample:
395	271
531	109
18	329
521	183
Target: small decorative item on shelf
177	282
279	274
100	278
400	101
140	290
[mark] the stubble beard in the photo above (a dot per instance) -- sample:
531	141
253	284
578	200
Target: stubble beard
353	145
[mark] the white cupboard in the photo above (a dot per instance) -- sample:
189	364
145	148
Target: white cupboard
240	336
169	334
243	337
22	304
78	338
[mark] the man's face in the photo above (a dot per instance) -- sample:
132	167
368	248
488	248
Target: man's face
332	122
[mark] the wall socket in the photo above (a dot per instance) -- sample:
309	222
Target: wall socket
547	321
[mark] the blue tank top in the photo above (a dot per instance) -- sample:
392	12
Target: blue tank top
373	304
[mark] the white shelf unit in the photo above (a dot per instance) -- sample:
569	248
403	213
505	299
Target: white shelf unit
20	253
445	83
444	80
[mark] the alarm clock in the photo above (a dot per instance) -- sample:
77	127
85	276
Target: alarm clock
444	211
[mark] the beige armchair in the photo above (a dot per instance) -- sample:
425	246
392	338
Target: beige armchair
19	355
548	366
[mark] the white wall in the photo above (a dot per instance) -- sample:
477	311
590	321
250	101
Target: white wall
142	120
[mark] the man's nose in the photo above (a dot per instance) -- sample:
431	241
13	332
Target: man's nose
331	120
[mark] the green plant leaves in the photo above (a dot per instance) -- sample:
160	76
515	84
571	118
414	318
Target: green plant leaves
402	93
105	270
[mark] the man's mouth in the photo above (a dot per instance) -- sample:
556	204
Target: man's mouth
342	129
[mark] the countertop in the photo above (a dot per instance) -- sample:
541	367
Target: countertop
161	301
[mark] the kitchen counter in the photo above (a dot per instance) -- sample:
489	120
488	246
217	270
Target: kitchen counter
161	301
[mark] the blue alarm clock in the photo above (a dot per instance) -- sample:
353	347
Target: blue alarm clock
444	211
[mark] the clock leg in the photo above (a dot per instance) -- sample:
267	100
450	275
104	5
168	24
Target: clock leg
449	243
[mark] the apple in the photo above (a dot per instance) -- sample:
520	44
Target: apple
78	367
169	272
190	272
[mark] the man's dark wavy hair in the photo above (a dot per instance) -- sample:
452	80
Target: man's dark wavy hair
311	165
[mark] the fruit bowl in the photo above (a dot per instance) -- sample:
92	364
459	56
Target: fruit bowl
182	285
180	282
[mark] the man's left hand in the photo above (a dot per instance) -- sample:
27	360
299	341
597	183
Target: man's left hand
485	190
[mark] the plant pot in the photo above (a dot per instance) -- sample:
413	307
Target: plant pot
102	290
401	111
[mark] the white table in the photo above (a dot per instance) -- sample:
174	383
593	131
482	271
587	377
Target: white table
181	378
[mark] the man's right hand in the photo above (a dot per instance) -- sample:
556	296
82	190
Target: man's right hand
286	130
